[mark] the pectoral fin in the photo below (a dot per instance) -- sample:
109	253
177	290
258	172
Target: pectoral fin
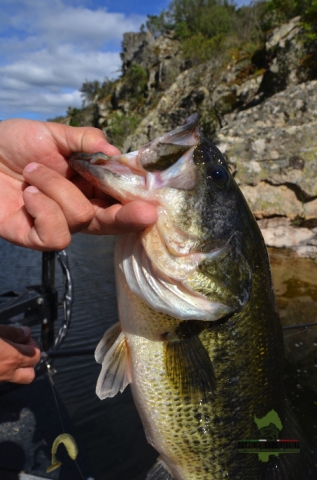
106	342
188	365
112	353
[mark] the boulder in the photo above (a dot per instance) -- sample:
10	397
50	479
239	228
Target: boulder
279	233
275	143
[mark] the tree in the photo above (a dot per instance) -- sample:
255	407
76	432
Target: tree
89	91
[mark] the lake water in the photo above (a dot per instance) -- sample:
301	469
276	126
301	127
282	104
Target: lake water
110	430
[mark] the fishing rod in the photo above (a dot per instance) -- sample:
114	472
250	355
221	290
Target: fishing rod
67	352
39	303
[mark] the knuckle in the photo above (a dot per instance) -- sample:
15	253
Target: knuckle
37	356
83	215
48	237
58	241
26	375
30	375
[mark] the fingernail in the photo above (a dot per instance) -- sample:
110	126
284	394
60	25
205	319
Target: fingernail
107	148
32	189
27	331
31	167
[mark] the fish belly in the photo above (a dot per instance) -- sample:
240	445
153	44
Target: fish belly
177	429
197	439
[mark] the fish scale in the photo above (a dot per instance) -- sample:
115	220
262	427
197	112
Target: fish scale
202	439
199	338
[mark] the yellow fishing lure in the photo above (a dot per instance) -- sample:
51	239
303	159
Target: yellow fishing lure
70	445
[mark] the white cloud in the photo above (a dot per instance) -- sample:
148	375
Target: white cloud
42	102
48	49
64	67
87	26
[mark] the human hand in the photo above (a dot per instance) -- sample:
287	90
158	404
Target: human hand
18	354
43	200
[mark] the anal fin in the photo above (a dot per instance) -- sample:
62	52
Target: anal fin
159	471
112	353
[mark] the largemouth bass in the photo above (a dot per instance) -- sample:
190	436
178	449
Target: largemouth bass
199	337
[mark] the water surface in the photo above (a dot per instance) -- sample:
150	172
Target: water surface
110	430
295	281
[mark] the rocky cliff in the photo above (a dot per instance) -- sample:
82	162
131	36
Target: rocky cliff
260	110
263	117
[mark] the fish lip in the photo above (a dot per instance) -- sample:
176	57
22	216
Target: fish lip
131	168
130	165
118	165
183	138
81	157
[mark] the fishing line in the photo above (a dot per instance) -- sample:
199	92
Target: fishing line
59	412
296	333
54	395
306	325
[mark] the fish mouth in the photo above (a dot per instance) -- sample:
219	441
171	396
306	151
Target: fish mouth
165	162
175	259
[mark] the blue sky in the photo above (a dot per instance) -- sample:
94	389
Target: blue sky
48	48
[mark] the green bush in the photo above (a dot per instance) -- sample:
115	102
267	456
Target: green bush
119	126
278	11
82	117
199	48
207	17
310	20
159	24
135	85
95	91
208	27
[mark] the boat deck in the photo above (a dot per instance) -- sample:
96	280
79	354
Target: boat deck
29	424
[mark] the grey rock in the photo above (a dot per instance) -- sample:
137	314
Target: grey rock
160	57
279	233
280	35
262	114
276	142
134	47
265	123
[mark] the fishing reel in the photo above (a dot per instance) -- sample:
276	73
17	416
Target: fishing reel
39	304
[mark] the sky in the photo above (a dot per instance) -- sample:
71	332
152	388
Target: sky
49	48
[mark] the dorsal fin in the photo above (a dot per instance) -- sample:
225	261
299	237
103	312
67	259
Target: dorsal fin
112	353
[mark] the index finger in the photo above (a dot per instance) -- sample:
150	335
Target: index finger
118	219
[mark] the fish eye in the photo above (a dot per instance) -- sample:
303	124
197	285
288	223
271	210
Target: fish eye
217	175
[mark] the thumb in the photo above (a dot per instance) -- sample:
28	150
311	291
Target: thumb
14	334
80	139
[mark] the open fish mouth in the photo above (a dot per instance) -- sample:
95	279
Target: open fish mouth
164	162
173	262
